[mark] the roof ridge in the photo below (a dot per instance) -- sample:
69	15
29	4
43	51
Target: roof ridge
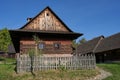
102	38
112	35
92	39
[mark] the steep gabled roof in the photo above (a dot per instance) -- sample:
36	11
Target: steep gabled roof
109	43
53	14
89	46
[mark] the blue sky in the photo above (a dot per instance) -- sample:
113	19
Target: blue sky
90	17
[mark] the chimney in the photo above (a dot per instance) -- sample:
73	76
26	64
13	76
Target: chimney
29	19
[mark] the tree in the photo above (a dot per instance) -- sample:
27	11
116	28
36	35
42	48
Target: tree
5	39
74	44
83	40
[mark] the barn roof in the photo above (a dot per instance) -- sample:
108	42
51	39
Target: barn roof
109	43
89	46
100	44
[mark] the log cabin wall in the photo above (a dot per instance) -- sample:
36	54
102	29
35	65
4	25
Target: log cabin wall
51	46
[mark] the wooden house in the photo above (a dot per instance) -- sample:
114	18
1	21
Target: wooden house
55	38
105	49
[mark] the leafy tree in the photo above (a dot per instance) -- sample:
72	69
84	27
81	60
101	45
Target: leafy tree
74	44
83	40
5	39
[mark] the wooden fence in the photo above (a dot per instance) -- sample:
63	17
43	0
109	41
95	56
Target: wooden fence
35	63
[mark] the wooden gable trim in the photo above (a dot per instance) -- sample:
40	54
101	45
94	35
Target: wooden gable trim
53	14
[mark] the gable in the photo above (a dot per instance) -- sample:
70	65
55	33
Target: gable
46	20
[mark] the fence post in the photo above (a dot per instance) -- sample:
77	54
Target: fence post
18	63
48	63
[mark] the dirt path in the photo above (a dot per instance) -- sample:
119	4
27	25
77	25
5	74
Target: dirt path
103	74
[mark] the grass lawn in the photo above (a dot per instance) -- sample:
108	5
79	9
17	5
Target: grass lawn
7	73
113	68
7	60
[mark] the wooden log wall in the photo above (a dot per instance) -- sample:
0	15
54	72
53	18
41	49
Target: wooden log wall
49	48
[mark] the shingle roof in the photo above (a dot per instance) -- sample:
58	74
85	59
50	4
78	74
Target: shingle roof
89	46
109	43
100	44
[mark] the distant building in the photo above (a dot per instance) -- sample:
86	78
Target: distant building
106	49
10	53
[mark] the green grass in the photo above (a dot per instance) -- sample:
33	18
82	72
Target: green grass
113	68
7	73
7	60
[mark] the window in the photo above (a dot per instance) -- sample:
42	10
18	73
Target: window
41	45
47	14
57	45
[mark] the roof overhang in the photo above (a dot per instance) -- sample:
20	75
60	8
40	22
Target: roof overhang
51	34
16	35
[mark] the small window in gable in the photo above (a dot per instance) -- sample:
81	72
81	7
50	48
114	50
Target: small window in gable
41	45
47	14
57	45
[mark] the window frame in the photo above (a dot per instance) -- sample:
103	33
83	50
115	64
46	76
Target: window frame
41	45
57	45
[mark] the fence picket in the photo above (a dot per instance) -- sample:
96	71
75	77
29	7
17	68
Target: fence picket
48	63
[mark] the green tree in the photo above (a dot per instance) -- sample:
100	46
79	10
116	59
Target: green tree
74	44
5	39
81	41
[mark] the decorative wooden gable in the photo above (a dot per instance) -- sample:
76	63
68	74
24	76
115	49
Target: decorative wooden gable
46	20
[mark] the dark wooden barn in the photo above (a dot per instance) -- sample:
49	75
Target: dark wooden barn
105	49
109	49
55	38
